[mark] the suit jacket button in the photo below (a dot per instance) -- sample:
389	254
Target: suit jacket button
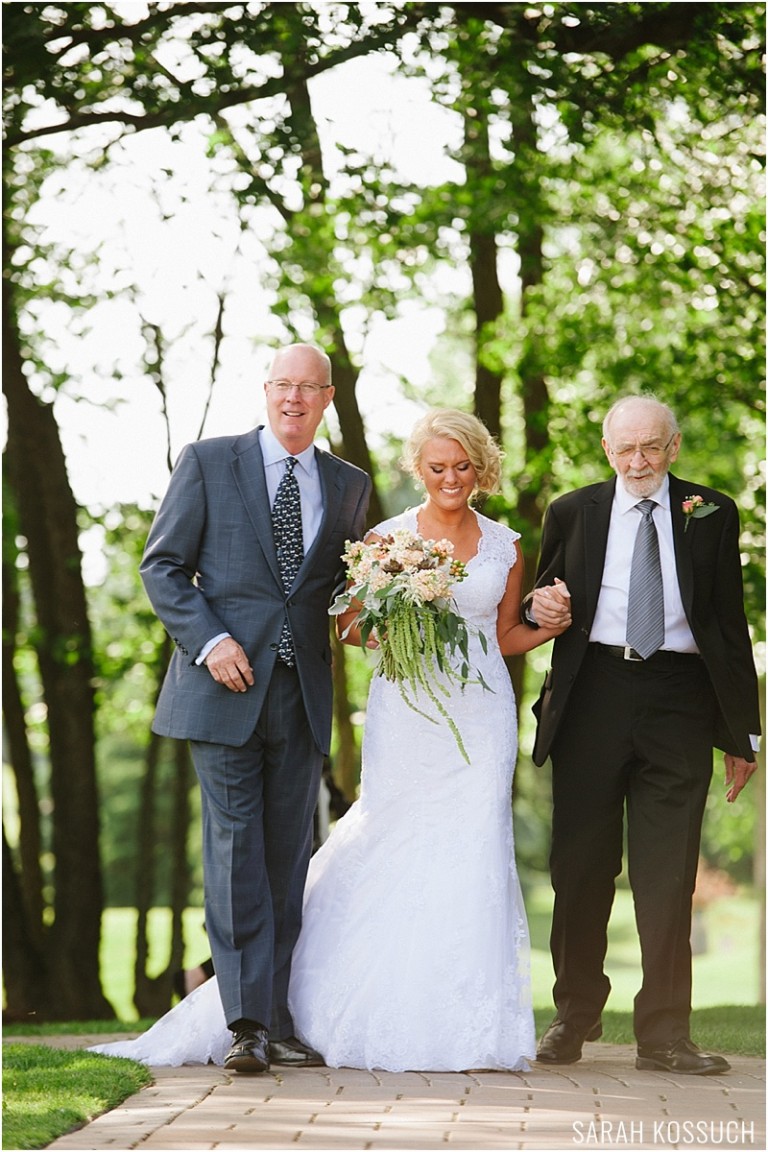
274	647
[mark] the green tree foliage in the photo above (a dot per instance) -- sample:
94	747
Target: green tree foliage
600	230
131	660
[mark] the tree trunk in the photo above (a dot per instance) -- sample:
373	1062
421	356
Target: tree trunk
488	303
25	973
48	519
489	306
144	997
184	779
758	782
30	877
350	420
487	298
530	209
315	259
152	994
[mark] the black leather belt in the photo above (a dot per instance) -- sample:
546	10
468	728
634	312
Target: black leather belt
624	652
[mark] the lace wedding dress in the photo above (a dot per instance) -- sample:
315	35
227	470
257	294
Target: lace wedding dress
414	947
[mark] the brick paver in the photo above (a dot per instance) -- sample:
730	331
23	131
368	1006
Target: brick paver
601	1102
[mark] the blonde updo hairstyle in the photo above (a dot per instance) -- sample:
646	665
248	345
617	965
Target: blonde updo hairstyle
482	450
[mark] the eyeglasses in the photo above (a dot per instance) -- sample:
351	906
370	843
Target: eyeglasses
649	452
283	387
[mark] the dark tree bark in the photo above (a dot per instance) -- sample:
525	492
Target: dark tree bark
20	755
147	998
497	196
489	306
152	995
530	210
487	297
25	973
47	515
350	419
303	129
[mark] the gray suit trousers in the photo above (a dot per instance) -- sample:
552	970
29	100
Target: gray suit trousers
258	802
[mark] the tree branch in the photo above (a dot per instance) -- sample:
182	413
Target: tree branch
174	113
669	26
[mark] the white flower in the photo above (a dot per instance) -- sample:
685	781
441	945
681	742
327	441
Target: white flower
402	587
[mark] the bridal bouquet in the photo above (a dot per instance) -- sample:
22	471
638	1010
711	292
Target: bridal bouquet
403	586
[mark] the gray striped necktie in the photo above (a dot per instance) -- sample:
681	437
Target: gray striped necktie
645	608
289	542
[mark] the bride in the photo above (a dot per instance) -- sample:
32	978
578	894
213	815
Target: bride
413	953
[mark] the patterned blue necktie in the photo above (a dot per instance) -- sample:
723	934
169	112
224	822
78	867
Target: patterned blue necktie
645	607
289	542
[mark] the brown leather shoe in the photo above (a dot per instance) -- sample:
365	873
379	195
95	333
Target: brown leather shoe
295	1054
249	1052
562	1042
682	1056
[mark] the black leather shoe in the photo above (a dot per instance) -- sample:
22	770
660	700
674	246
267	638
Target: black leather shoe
249	1052
561	1043
682	1056
295	1054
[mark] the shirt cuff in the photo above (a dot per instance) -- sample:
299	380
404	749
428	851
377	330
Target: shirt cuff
528	616
210	646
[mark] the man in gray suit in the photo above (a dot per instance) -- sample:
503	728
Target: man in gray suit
249	684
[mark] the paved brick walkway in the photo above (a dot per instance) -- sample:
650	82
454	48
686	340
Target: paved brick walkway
601	1102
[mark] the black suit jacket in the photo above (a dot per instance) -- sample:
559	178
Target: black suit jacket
573	545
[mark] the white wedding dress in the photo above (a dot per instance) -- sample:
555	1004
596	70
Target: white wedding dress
414	950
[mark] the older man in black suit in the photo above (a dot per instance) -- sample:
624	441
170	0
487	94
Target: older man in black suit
656	670
240	565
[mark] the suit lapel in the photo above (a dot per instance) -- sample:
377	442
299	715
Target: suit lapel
597	520
248	473
330	487
683	542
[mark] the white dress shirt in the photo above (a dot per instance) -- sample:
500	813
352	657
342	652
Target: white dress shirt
306	473
310	490
610	622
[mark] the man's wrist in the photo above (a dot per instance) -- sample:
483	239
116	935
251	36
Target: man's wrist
206	650
526	611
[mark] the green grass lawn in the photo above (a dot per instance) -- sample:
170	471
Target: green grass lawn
49	1091
726	973
118	951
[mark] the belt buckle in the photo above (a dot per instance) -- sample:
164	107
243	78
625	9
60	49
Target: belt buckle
628	655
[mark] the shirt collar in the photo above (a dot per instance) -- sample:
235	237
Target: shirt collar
626	501
273	452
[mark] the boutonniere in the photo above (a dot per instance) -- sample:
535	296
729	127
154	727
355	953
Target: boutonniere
694	508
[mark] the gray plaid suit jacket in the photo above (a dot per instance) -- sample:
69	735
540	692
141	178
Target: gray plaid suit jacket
210	566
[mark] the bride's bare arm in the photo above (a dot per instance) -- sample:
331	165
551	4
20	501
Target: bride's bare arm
515	637
346	627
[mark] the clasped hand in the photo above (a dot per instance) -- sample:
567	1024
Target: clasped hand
229	665
551	606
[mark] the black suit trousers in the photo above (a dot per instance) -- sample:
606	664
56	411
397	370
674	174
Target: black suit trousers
635	738
258	803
